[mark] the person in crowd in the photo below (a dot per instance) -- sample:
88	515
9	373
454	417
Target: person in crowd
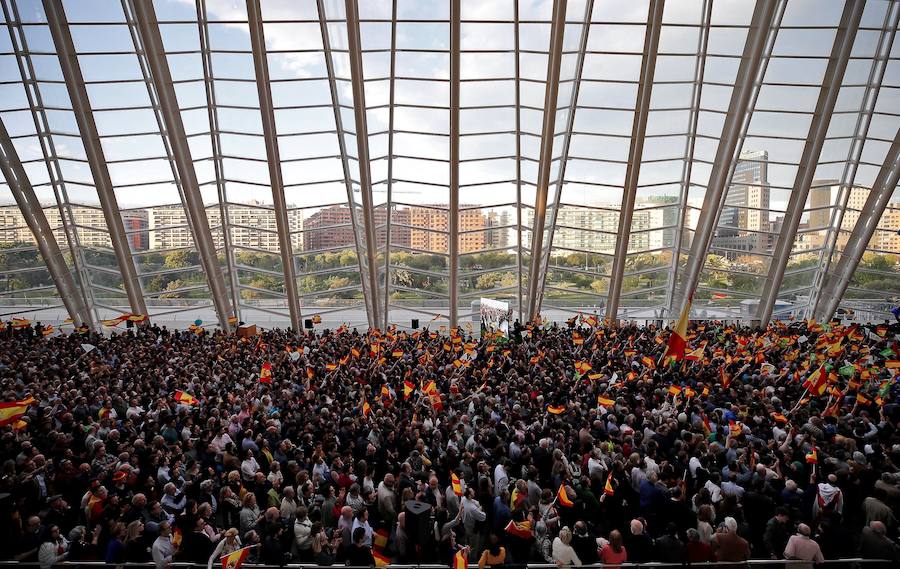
171	445
801	547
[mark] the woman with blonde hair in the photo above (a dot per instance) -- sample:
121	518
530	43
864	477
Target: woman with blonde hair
136	548
229	543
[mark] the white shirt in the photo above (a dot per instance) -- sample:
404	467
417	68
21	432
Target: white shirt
249	468
163	550
501	480
563	554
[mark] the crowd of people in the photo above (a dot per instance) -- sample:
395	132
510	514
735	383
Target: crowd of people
571	444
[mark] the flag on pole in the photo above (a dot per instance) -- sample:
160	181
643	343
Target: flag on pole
563	497
608	487
235	559
556	409
812	457
520	529
678	338
408	388
582	367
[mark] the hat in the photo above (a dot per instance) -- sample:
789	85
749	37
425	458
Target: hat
120	476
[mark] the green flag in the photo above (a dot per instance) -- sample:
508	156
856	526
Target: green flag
847	370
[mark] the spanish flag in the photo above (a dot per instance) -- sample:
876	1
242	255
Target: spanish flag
20	323
674	390
818	381
48	330
408	388
265	374
12	411
331	367
380	539
605	402
430	388
779	418
608	487
563	498
556	409
366	408
577	339
457	485
186	398
648	361
678	338
143	318
812	457
234	559
461	559
354	352
381	560
397	353
310	373
582	367
521	530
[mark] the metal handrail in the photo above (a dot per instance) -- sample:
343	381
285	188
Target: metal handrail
654	564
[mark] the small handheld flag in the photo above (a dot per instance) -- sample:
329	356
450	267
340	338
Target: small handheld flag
563	497
235	559
265	374
457	485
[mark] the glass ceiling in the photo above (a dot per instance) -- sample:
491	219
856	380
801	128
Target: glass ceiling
373	162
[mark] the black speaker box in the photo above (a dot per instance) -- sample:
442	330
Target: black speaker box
308	324
418	522
415	323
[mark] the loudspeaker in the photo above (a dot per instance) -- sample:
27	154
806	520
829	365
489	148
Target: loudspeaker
418	522
308	324
129	324
415	323
246	331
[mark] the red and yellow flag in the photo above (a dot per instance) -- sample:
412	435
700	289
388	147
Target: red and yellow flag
678	338
408	388
457	485
812	457
608	487
12	411
605	402
519	529
461	559
556	409
366	408
186	398
582	367
674	390
563	497
235	559
265	373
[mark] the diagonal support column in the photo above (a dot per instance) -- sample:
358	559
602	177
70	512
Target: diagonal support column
266	109
836	281
557	31
161	77
749	76
362	145
635	155
31	209
815	140
81	106
566	144
453	225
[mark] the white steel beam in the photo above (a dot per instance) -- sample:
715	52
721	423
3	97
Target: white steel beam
81	107
362	147
635	155
557	31
759	42
812	149
161	77
453	225
26	199
836	280
267	110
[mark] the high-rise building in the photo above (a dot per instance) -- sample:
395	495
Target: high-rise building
744	221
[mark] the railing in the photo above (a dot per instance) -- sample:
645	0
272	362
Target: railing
787	563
